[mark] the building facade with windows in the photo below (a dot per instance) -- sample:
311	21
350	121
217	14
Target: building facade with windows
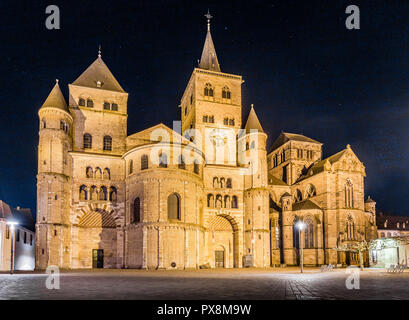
23	238
205	192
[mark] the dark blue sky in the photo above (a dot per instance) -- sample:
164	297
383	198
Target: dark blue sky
303	70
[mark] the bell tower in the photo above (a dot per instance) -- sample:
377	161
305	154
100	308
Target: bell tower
211	105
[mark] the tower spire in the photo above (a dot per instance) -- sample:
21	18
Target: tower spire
99	51
209	60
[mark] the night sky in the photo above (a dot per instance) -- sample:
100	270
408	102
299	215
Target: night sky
303	70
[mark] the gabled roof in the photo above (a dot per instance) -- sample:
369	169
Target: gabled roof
24	217
326	163
209	60
144	137
272	180
285	136
305	205
253	122
5	210
55	99
98	71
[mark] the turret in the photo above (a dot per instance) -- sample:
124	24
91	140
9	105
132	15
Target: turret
256	196
55	142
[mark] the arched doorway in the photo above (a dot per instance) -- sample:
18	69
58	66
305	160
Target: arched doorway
223	242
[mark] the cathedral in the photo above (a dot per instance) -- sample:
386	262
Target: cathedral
203	194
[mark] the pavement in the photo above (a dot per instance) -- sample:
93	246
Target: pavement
214	284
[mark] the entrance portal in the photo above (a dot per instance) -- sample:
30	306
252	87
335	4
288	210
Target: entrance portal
219	259
98	258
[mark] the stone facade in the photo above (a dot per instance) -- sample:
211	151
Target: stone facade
203	193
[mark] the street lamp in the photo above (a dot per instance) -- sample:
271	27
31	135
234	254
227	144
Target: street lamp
301	225
12	224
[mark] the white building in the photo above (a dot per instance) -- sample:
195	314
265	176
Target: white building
24	238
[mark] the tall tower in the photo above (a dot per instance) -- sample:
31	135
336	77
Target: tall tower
256	194
211	104
53	180
99	107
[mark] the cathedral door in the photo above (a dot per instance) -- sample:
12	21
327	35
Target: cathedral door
98	258
219	259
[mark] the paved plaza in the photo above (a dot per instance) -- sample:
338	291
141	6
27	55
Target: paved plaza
247	284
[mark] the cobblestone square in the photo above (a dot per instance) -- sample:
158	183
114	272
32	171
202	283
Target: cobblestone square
223	284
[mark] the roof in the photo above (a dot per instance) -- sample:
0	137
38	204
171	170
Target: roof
252	122
320	166
305	205
98	71
272	180
285	137
22	215
392	222
55	99
369	200
209	60
5	210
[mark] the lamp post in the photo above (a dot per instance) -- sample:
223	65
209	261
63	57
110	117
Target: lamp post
12	225
301	226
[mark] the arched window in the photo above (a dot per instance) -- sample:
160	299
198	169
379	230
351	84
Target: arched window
93	193
103	193
298	196
296	234
136	210
89	172
210	200
196	167
107	174
227	202
113	194
247	146
219	202
43	123
208	90
283	156
234	203
181	162
211	119
174	206
107	143
90	103
350	228
310	191
226	94
215	182
83	193
231	122
107	106
114	107
221	182
130	166
163	160
98	173
87	141
81	102
382	234
144	162
309	234
63	125
349	194
389	234
228	183
226	121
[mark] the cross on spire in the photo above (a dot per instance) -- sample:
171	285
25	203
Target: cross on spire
208	16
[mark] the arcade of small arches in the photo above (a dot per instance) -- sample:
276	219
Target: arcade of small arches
222	202
310	191
98	173
222	182
101	193
163	163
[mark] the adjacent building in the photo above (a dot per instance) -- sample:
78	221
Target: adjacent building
205	192
24	238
